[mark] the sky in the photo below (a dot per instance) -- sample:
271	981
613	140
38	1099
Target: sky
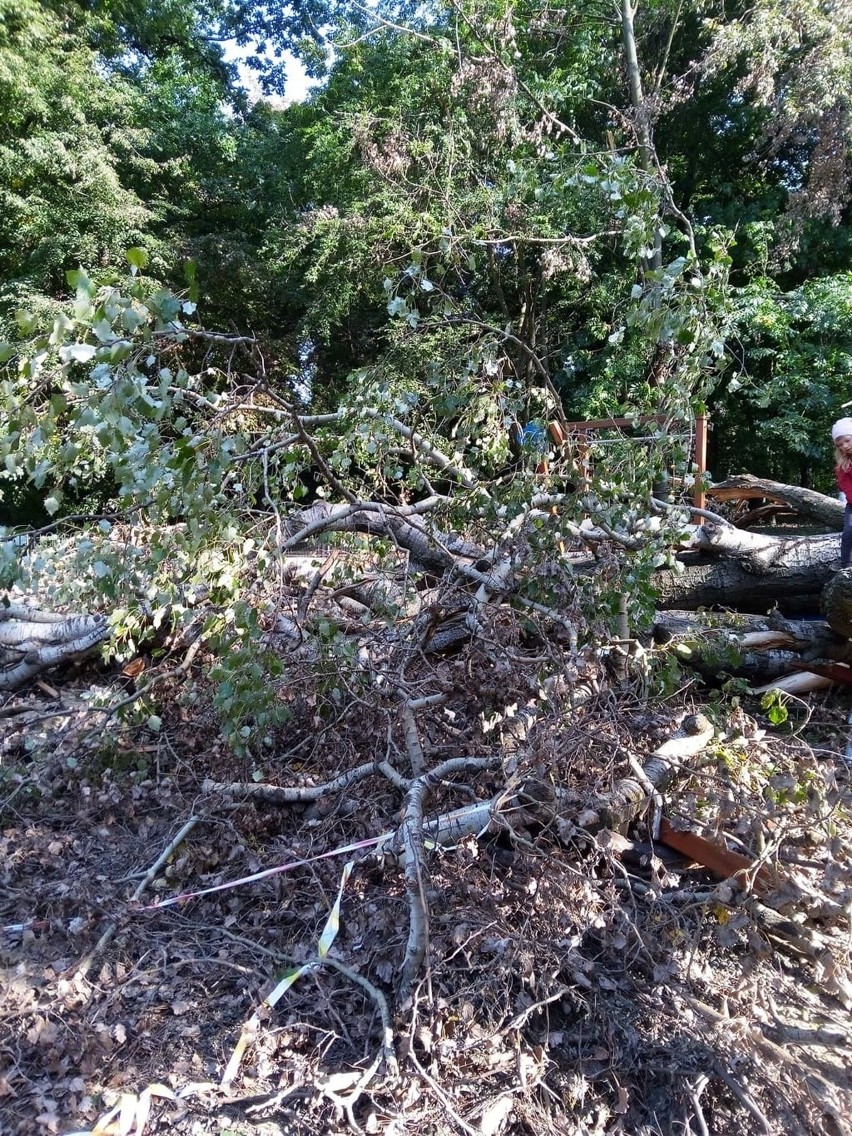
298	83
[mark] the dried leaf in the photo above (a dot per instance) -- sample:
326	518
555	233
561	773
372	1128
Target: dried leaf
495	1116
623	1101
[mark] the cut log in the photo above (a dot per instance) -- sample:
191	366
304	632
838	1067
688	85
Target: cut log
752	632
837	602
32	641
800	683
765	651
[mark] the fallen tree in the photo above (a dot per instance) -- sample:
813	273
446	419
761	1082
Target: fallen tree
752	572
806	503
720	567
770	653
33	641
360	635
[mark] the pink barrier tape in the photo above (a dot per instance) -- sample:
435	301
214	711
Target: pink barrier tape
173	899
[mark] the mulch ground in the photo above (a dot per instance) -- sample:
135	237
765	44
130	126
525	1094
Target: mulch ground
568	987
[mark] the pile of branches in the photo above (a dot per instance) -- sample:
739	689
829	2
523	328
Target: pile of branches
466	851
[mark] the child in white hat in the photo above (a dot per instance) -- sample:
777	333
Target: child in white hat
841	435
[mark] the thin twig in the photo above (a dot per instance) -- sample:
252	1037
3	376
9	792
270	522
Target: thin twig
76	519
325	469
442	1096
817	1085
382	24
86	964
428	451
200	333
745	1098
175	672
694	1092
521	1019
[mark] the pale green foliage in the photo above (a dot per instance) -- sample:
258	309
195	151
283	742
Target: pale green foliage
798	65
97	399
245	674
104	402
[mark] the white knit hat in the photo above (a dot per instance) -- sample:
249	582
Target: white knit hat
841	426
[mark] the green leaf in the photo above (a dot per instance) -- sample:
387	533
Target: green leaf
777	715
78	353
27	322
131	319
137	257
119	350
103	330
78	279
61	326
165	304
190	273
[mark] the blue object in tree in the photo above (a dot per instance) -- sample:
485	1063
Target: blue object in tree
534	437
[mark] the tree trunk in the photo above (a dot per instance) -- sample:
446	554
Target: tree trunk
806	502
32	641
751	572
837	602
760	650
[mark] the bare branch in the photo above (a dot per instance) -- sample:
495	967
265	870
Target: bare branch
289	795
85	965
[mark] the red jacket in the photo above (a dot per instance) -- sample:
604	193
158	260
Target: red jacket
844	482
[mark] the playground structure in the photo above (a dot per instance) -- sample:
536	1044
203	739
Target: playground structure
582	435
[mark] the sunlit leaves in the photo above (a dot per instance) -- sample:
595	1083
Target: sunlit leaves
78	353
137	258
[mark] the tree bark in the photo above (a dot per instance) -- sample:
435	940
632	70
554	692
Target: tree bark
806	502
751	572
837	602
759	650
32	641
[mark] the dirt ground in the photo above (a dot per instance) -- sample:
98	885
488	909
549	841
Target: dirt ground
574	981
